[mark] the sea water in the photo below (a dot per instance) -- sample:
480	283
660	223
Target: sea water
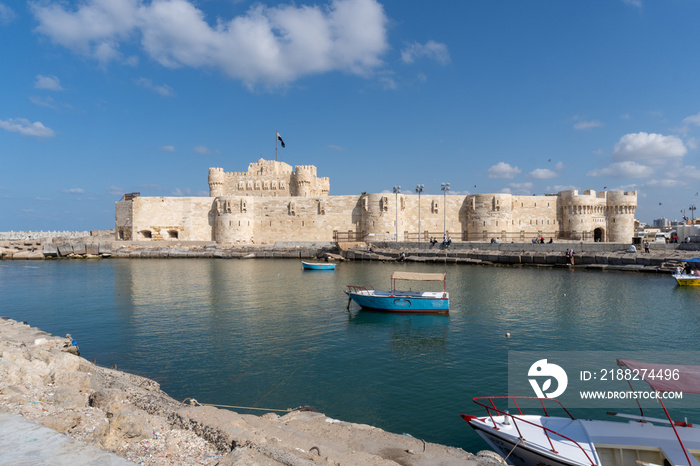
266	334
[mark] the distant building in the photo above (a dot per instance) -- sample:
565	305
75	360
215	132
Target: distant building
272	202
662	223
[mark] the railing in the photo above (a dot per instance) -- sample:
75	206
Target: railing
349	236
360	289
491	409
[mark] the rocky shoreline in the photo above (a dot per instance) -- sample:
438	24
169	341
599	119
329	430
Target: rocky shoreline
44	380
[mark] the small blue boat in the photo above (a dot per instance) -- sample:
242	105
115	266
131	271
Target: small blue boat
403	301
317	266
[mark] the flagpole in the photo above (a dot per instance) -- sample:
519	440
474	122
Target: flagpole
275	146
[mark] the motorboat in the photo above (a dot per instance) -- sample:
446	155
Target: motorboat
543	439
688	275
409	301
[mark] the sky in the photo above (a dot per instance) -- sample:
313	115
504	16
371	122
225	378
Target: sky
103	97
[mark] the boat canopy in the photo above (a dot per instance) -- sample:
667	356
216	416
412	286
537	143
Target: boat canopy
695	259
425	277
661	377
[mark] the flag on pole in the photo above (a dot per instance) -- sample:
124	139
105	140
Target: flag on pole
280	138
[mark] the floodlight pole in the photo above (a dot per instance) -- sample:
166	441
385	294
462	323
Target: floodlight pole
397	190
419	189
444	187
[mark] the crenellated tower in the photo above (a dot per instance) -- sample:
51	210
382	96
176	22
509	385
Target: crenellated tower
621	206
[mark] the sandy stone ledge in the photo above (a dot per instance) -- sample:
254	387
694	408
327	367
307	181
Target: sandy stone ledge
43	380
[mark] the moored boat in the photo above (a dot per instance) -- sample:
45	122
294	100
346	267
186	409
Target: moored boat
403	301
688	276
317	265
527	439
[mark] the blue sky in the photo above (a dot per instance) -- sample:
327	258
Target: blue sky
103	97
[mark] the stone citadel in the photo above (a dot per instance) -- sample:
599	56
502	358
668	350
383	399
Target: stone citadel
272	202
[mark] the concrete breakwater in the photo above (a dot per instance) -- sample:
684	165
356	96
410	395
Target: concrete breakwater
43	380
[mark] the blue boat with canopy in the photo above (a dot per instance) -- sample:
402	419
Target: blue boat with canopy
403	301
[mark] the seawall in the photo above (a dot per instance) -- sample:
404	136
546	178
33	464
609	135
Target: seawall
661	258
43	380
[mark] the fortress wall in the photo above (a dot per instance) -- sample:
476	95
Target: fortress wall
171	218
380	216
304	218
510	218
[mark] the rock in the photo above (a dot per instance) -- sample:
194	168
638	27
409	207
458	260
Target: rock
68	398
109	400
61	422
127	426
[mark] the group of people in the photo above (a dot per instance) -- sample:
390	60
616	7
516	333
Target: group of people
540	240
446	240
687	270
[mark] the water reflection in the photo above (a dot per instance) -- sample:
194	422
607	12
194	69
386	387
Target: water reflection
263	333
409	334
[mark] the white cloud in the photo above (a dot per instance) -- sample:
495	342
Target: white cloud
559	166
692	120
7	15
637	3
162	89
115	190
652	148
73	191
626	169
168	149
44	102
542	174
25	127
202	150
503	170
560	187
52	83
664	183
431	49
271	45
518	188
580	125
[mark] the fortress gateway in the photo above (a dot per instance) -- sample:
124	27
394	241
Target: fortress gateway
272	202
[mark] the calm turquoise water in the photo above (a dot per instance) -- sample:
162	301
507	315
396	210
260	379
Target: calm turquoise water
263	333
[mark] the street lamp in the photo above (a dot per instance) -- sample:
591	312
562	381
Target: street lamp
419	189
444	187
397	190
692	209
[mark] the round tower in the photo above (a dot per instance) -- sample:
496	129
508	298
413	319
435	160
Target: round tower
217	177
488	215
303	180
621	206
379	215
234	220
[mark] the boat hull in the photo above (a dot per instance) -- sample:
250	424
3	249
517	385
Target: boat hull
402	303
517	453
687	280
317	266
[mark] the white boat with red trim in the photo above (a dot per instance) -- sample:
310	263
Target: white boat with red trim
541	439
